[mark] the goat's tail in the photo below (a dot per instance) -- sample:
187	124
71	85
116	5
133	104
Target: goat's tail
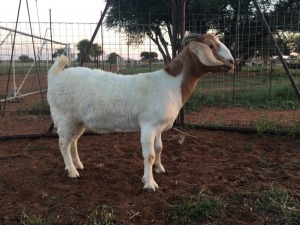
57	67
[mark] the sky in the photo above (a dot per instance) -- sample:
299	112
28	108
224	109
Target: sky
66	11
87	11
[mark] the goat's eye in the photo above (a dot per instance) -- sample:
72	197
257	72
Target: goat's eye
211	46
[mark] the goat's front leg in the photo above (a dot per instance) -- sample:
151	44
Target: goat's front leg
147	141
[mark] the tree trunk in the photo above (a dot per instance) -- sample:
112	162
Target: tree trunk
165	45
164	54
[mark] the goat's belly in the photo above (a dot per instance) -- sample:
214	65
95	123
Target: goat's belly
103	126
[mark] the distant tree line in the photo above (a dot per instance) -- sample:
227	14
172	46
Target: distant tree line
96	51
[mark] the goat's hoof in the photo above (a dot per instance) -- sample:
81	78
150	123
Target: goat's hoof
151	186
79	166
149	190
73	173
160	169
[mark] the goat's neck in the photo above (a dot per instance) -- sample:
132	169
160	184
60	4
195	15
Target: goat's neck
188	66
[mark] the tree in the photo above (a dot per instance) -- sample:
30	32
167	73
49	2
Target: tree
148	56
112	58
287	6
244	14
25	59
95	50
153	19
293	41
141	19
287	28
58	52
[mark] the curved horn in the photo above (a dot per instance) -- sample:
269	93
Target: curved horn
189	36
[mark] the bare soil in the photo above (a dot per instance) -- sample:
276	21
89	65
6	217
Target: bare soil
243	117
226	165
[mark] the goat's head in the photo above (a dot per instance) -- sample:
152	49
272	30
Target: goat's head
212	53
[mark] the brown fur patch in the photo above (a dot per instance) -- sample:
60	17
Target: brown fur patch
210	39
193	71
192	68
187	62
174	68
151	159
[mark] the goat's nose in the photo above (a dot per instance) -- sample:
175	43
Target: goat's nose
231	61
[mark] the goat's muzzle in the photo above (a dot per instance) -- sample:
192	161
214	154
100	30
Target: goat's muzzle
228	65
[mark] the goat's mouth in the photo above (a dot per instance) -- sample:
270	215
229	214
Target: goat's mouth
228	64
229	67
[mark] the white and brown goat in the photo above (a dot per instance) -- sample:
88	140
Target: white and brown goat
81	98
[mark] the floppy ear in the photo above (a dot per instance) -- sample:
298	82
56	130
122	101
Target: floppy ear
204	54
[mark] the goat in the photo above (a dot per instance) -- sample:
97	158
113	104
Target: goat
81	98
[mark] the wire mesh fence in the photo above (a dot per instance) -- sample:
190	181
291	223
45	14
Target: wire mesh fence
257	94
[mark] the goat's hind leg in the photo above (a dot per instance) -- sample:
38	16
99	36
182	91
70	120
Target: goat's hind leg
74	151
65	142
158	149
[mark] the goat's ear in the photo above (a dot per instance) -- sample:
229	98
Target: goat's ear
204	54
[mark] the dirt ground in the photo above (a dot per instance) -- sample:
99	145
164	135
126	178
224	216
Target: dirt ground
225	165
243	117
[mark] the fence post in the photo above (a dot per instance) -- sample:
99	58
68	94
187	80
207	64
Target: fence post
95	32
178	28
288	73
182	32
50	129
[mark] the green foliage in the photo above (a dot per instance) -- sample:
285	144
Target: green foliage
41	108
25	59
262	125
102	215
25	220
95	50
296	129
36	147
265	163
280	96
22	68
279	202
142	69
287	6
112	58
196	208
248	147
58	52
148	56
131	15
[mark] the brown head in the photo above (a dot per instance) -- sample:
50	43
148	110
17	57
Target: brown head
203	54
212	53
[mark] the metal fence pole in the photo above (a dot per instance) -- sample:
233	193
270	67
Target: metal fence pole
50	129
95	32
288	73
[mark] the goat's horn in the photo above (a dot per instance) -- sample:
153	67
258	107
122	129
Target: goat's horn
189	36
